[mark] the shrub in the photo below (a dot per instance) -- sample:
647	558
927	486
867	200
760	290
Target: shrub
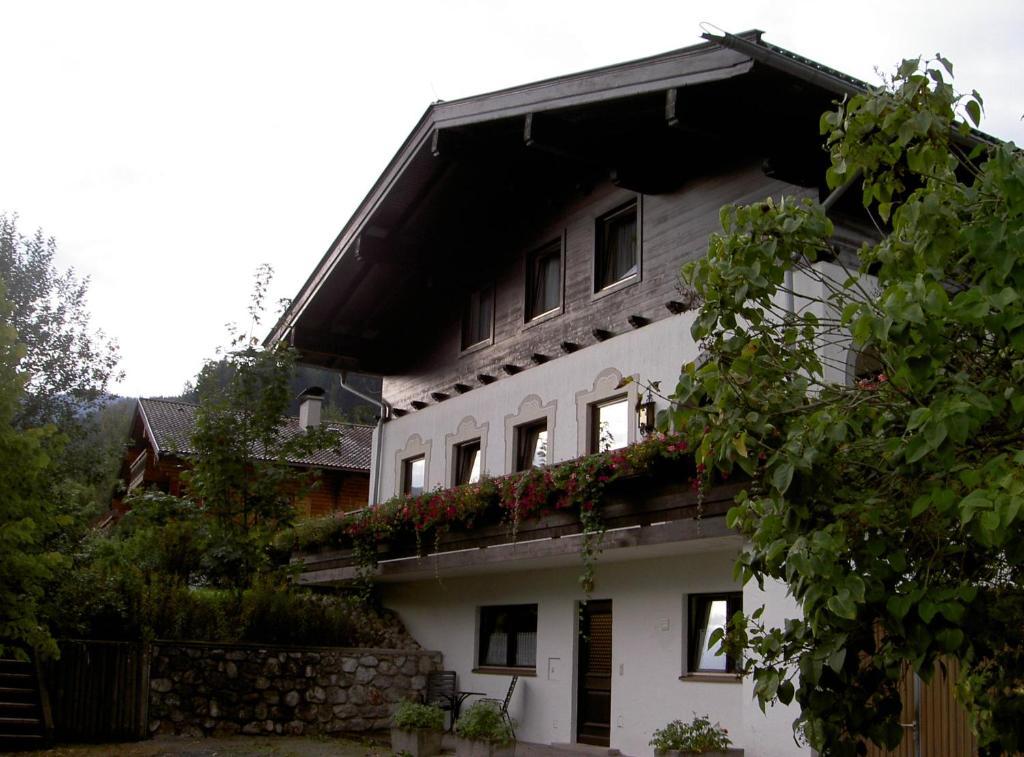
484	722
699	736
411	716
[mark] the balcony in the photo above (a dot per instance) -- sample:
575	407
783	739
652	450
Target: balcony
640	501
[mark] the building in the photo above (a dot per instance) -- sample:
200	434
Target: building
516	261
161	445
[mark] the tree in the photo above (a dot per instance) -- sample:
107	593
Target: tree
69	364
27	516
890	507
240	474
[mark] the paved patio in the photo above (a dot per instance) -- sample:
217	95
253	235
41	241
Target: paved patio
233	746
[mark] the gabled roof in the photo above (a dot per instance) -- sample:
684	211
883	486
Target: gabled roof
169	425
643	123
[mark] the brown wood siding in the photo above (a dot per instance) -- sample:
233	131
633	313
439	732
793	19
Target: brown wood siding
674	229
336	491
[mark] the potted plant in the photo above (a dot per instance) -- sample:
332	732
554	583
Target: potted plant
417	729
484	731
698	736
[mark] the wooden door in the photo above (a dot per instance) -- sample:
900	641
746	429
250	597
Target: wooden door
594	697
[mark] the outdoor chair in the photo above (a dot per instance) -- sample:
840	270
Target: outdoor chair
503	705
441	691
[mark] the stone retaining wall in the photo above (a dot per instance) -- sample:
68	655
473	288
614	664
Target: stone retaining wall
201	689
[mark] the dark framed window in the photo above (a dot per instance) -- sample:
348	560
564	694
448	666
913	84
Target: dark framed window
478	318
467	462
544	280
617	256
531	443
508	637
609	424
414	474
708	612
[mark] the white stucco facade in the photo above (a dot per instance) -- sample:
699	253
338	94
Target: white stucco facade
649	595
648	587
655	352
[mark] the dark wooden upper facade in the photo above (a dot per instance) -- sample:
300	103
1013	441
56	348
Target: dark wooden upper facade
483	182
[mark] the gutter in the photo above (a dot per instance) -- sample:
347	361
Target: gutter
790	63
385	415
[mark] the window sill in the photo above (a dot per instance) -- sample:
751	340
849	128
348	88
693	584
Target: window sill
476	347
499	671
544	317
711	677
617	286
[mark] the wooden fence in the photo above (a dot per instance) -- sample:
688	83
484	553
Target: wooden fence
99	691
935	722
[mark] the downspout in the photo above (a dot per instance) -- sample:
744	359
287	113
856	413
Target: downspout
826	205
385	415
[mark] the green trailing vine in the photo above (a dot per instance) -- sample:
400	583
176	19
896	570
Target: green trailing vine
576	486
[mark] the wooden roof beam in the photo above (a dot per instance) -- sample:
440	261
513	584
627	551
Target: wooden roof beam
553	136
378	250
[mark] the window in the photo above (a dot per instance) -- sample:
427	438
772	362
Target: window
508	637
414	471
867	366
531	442
609	425
708	612
478	318
617	256
544	280
467	462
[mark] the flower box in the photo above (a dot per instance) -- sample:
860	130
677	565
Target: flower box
420	742
474	748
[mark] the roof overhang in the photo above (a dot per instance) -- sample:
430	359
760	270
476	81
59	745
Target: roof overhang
646	124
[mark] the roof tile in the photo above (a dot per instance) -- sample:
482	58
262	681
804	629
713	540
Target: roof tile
172	422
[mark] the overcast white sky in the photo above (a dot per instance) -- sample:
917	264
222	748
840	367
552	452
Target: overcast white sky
172	147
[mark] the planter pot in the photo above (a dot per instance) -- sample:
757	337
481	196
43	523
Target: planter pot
418	743
731	752
469	748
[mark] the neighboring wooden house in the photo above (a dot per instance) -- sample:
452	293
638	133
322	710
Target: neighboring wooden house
161	446
518	257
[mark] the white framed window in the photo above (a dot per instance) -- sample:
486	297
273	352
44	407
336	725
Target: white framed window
617	247
530	435
412	466
414	475
705	614
606	414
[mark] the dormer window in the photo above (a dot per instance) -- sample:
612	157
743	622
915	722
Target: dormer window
544	281
478	318
617	257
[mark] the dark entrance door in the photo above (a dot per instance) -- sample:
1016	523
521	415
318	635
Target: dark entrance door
594	698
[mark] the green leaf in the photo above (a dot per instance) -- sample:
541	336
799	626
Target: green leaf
917	448
950	639
974	111
836	659
842	606
921	504
785	692
739	443
898	606
782	476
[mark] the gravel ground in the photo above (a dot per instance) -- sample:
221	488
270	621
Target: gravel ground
233	746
